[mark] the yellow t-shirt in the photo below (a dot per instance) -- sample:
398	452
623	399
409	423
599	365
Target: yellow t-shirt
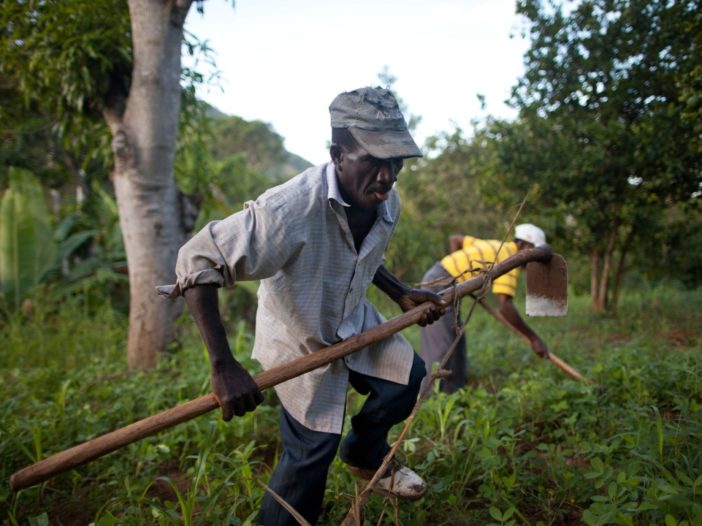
478	254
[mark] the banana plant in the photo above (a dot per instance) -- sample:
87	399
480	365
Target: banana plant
33	250
27	246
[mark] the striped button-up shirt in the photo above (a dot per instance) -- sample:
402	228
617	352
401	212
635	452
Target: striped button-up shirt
295	238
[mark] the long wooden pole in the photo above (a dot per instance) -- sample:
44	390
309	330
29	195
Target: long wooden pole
104	444
552	357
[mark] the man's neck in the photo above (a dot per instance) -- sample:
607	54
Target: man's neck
360	221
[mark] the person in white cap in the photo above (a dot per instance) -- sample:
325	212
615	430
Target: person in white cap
468	255
316	244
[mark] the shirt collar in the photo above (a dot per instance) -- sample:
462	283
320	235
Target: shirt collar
333	193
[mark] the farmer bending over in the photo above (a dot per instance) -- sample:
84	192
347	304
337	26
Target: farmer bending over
316	243
468	256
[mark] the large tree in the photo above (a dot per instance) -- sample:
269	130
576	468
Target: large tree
121	60
604	137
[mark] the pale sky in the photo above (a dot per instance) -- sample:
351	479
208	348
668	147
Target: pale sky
283	61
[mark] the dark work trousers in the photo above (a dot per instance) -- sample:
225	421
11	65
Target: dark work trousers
436	339
301	474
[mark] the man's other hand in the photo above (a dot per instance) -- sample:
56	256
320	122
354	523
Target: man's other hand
234	388
539	347
414	297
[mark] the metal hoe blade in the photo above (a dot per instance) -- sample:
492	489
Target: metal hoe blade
547	287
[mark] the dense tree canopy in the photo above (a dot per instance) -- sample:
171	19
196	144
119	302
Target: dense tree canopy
67	61
605	135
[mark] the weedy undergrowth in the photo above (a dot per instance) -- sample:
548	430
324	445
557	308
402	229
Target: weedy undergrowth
522	444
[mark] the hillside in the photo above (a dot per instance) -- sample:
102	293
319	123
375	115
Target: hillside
262	148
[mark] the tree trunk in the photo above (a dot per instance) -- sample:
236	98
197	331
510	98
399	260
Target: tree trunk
601	264
595	303
144	143
606	266
619	275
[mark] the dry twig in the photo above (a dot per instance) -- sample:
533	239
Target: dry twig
280	500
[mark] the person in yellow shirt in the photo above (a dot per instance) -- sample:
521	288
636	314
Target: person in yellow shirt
468	256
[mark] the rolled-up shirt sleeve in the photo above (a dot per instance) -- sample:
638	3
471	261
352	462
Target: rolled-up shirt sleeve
252	244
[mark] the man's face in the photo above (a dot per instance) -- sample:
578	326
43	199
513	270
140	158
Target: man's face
523	245
365	180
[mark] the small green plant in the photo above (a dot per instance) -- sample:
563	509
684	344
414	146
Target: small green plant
503	518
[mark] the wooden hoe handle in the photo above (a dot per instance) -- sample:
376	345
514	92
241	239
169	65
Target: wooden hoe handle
99	446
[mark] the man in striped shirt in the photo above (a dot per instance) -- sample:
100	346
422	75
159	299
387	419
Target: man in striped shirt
316	243
468	257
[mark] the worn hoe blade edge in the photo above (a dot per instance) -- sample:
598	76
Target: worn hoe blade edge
547	287
544	306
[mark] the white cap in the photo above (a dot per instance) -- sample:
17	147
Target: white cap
531	233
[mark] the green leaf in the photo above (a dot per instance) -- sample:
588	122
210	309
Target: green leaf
597	464
107	520
68	246
39	520
496	513
64	227
27	249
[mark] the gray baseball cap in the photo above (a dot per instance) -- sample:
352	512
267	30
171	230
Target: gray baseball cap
373	117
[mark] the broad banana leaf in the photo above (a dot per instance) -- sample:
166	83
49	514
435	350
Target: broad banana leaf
27	248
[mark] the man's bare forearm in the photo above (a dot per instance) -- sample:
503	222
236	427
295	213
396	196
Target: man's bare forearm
511	314
390	284
203	304
233	387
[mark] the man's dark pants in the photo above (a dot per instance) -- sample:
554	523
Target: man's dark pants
301	474
436	339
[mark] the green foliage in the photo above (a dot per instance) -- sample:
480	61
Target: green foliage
522	444
234	139
262	148
67	58
62	65
27	248
92	259
33	250
680	239
443	188
26	141
442	195
224	161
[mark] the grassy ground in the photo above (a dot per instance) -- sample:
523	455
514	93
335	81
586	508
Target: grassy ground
523	444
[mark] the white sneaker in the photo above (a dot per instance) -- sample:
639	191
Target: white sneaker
399	481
